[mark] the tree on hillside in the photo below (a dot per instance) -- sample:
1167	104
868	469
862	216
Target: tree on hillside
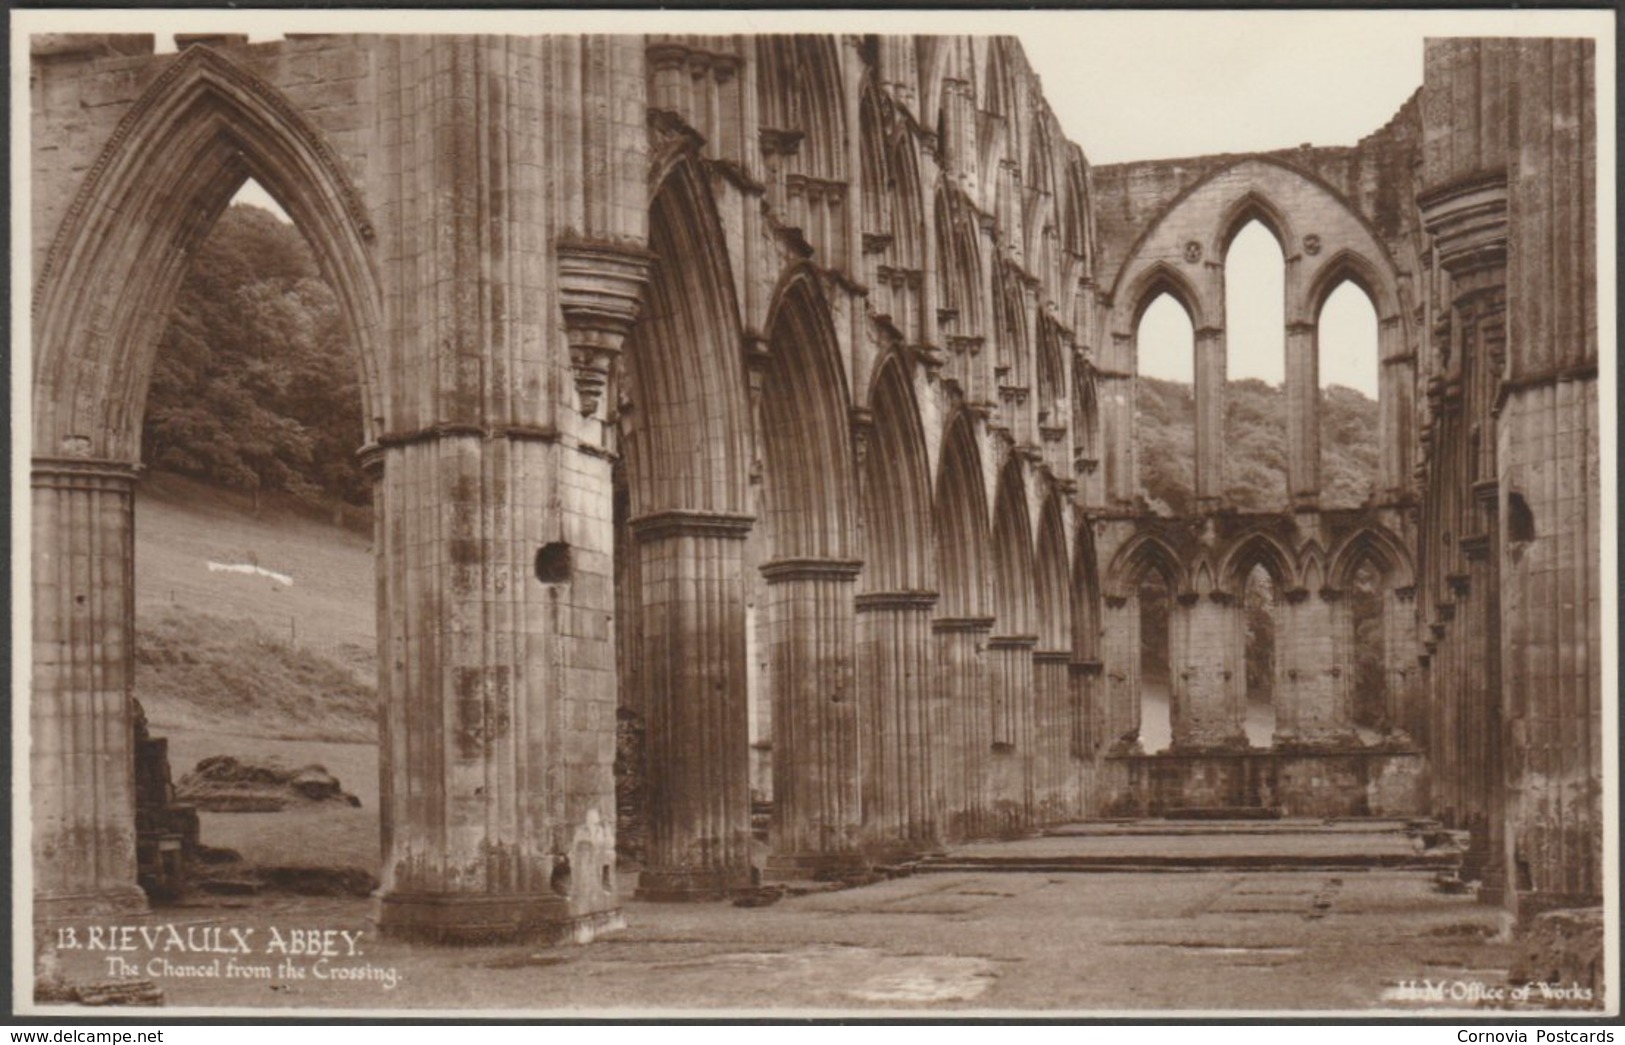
1255	445
254	386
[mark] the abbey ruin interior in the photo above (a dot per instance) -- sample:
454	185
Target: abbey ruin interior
776	394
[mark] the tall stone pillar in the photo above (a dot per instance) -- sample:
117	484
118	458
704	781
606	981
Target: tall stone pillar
1407	707
1088	733
1312	706
1115	392
497	689
962	664
900	737
1210	398
1396	405
506	301
817	808
1011	760
1212	714
82	758
1120	693
1302	415
1055	782
690	564
1551	484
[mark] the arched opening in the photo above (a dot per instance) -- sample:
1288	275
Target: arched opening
896	662
1255	367
106	292
1259	599
1010	654
1165	405
961	514
255	626
680	425
805	507
1371	704
963	626
1155	596
1055	711
1350	426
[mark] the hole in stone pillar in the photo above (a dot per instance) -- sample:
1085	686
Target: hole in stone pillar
79	600
1520	520
561	876
553	563
607	877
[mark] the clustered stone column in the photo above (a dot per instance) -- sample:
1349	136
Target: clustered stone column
1213	712
1055	783
817	805
1302	415
690	564
1210	398
82	745
1312	704
1468	221
488	729
1121	656
1008	785
966	736
901	731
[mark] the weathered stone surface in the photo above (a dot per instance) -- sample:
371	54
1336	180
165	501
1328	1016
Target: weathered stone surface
641	348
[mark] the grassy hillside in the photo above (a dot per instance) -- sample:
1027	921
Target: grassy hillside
182	525
246	653
241	665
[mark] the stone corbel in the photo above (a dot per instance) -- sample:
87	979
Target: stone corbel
600	293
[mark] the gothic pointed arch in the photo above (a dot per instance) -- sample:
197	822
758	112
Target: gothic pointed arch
960	508
806	431
1162	278
1051	385
959	264
1257	548
1252	205
1054	590
1076	208
204	127
878	181
1374	545
1010	329
1086	419
908	204
1350	266
1086	595
1141	554
799	90
1013	581
687	418
899	555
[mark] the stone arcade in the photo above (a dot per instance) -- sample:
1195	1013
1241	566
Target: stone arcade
779	391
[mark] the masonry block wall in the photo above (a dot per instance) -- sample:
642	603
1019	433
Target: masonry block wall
778	393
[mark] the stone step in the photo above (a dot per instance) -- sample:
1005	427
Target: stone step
1140	862
1273	827
1301	844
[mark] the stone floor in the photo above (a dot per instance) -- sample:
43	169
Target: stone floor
1004	939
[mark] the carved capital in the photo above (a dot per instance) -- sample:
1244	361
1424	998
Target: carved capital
962	624
679	523
600	293
781	570
871	601
1468	222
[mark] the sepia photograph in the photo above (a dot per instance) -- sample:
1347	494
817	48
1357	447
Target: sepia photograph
924	515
